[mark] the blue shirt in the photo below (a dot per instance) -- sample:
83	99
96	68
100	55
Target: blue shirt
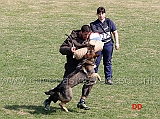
104	28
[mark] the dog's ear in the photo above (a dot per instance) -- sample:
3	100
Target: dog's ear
96	55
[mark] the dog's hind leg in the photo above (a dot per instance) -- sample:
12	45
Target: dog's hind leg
65	98
62	105
54	97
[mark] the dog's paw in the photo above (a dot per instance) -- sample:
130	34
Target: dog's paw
96	75
95	66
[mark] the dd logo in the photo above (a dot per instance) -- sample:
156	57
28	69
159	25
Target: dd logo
136	106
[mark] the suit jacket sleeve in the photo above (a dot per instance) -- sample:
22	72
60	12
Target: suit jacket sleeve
65	48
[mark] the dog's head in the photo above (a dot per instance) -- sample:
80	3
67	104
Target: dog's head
90	52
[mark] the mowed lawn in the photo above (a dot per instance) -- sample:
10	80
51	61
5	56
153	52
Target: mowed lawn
31	32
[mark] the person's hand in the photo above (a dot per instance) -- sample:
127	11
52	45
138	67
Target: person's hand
117	46
73	49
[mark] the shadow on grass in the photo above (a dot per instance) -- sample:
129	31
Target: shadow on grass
37	109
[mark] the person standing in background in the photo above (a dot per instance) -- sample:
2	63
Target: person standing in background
106	28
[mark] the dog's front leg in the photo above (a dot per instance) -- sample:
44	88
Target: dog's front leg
84	70
96	75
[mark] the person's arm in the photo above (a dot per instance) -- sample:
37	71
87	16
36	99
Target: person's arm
93	27
65	48
115	34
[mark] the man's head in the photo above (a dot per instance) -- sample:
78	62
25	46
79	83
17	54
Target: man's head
101	12
86	30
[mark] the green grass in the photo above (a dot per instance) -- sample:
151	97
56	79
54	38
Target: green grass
31	32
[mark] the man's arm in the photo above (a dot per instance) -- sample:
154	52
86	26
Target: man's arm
65	48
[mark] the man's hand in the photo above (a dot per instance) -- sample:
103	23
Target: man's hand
73	49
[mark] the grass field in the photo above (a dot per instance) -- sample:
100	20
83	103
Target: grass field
31	32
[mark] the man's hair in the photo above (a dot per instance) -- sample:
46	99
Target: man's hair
86	28
101	9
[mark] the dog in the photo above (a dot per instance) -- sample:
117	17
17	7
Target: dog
84	70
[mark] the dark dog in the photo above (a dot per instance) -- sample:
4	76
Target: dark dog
85	70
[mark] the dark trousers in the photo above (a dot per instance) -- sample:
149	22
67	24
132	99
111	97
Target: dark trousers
107	60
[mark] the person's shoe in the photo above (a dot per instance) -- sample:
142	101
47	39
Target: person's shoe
109	82
47	104
82	105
